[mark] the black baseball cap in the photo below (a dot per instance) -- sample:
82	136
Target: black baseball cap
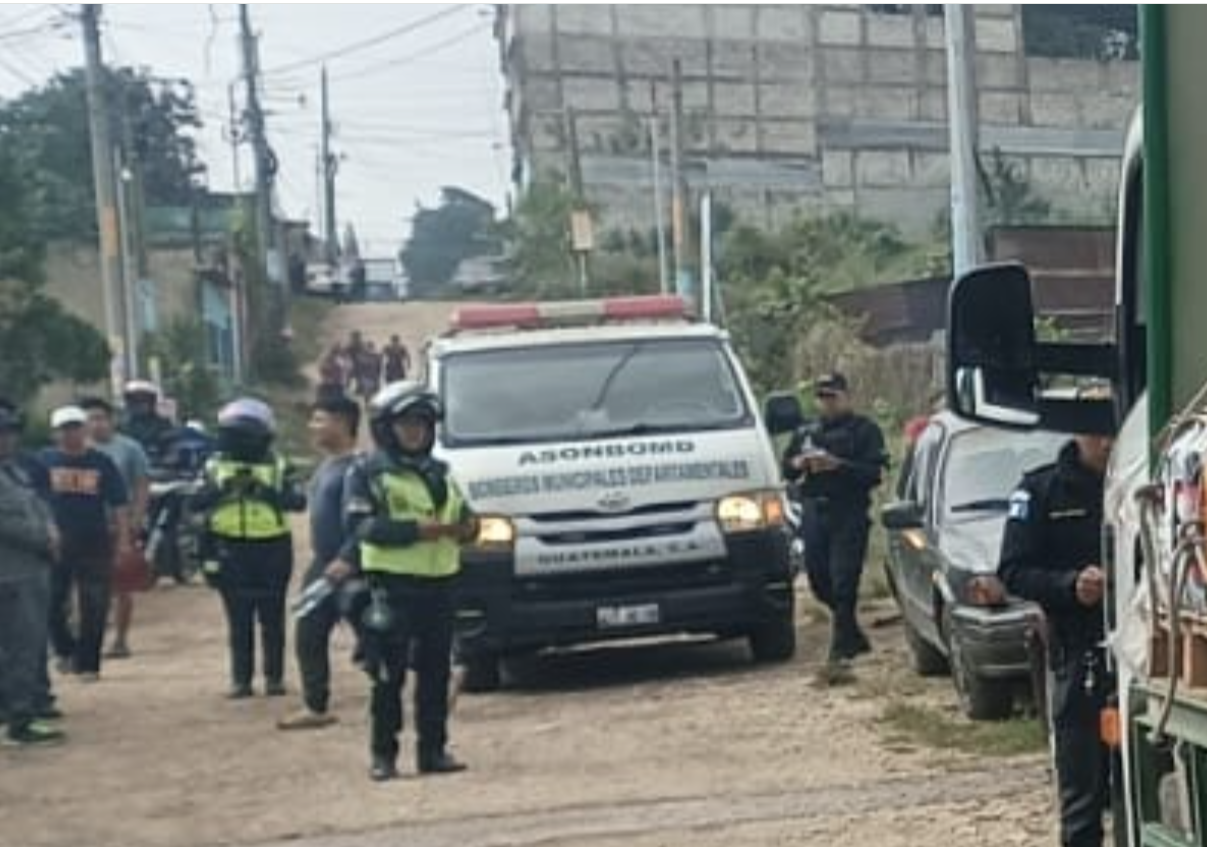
830	384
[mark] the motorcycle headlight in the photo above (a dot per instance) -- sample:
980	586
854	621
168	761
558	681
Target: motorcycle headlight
495	532
750	512
985	590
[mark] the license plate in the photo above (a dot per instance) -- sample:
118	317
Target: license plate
621	617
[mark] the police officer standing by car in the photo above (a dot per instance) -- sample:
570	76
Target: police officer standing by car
837	461
407	521
1051	553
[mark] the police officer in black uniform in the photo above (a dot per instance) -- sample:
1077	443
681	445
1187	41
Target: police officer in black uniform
1051	554
836	462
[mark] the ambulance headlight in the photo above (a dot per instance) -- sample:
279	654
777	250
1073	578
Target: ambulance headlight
495	532
750	512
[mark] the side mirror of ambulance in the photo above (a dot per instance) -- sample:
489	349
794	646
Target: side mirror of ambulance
782	413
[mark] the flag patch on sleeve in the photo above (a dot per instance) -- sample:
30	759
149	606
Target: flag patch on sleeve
1020	505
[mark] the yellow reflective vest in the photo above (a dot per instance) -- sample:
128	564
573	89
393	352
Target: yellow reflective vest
245	517
405	497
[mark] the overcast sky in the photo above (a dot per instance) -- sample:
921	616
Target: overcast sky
418	109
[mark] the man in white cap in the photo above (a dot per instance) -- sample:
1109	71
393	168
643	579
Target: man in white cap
91	508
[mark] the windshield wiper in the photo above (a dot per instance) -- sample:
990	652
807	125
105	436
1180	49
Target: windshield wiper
500	440
648	428
995	504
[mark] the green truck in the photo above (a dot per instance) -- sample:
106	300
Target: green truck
1155	539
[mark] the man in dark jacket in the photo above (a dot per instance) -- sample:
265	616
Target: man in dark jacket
1051	554
837	461
29	542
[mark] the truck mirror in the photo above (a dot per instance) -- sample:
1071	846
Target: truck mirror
993	376
783	413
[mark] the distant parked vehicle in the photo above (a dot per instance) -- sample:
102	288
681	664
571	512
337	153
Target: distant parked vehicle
944	541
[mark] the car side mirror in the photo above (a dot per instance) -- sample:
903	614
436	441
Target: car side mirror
993	375
783	413
903	515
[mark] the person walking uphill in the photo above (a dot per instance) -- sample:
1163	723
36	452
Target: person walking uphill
1051	555
29	542
837	462
248	553
407	520
91	508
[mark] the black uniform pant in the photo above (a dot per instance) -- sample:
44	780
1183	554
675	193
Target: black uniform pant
88	573
312	643
22	648
421	635
254	583
1082	760
836	543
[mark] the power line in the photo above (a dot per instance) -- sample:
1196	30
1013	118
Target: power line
17	71
335	53
414	57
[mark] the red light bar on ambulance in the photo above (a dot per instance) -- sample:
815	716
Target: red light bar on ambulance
569	313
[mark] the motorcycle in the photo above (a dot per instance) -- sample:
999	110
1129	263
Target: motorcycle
173	531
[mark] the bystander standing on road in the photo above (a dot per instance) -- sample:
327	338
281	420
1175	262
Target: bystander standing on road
29	542
334	427
91	508
131	574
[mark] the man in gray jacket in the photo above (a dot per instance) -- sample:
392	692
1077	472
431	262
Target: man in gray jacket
29	542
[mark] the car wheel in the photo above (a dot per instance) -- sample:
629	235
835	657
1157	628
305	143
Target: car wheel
482	674
926	658
982	699
774	641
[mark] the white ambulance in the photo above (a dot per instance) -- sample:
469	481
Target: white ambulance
627	484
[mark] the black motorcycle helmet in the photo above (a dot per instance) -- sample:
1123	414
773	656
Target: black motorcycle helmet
397	401
246	429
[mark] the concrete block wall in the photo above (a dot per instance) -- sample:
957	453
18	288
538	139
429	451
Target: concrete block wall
856	98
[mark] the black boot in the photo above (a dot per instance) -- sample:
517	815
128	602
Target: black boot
435	762
383	769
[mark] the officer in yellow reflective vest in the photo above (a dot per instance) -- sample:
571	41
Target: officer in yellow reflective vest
407	522
248	553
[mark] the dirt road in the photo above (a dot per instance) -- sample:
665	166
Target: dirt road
645	746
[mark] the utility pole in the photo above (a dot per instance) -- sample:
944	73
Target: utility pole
659	205
130	274
236	137
270	258
963	122
106	197
706	270
330	166
679	191
582	236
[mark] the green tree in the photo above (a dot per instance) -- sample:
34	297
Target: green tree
1009	196
538	241
180	347
158	117
459	228
775	283
39	341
